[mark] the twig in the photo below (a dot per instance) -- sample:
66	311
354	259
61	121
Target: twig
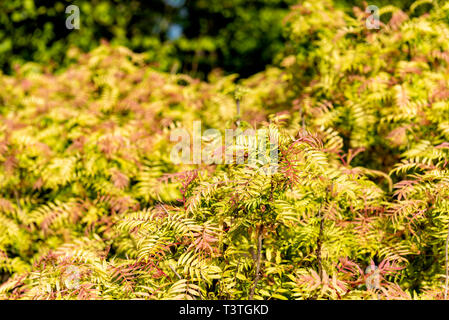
238	113
162	206
17	200
447	271
174	271
303	120
259	257
318	249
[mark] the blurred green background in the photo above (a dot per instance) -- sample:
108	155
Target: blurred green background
188	36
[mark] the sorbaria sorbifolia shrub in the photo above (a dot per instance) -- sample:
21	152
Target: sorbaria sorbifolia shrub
92	207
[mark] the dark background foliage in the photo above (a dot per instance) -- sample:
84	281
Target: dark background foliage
189	36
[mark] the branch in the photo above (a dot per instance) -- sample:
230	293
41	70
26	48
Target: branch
237	123
174	271
447	271
319	242
259	257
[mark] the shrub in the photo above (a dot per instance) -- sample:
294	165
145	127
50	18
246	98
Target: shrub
92	207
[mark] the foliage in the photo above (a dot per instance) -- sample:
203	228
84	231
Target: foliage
91	207
188	36
235	35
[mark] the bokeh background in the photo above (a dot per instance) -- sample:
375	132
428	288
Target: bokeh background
185	36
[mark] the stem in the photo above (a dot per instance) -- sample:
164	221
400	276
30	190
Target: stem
303	120
318	249
447	271
17	200
259	257
238	113
174	271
